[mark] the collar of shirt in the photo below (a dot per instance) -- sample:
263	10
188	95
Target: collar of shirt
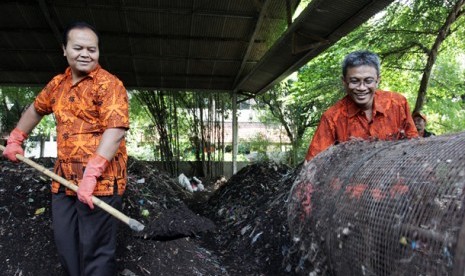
91	74
353	109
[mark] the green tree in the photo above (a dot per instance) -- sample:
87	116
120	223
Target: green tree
416	31
185	121
157	104
204	114
421	46
141	137
420	43
296	106
14	101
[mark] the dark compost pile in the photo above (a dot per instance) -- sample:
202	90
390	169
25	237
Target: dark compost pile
380	208
239	229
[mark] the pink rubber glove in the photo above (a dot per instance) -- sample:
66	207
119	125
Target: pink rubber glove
14	145
94	169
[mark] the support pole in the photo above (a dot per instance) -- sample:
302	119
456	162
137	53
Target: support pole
234	132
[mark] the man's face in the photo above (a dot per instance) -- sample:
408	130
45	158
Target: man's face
360	84
419	123
81	51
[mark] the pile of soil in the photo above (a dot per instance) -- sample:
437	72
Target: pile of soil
240	228
250	211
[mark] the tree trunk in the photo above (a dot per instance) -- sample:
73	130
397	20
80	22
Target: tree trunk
155	101
444	32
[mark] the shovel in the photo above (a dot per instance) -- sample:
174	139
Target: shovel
132	223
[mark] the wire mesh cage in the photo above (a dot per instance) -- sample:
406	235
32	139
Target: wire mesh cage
381	208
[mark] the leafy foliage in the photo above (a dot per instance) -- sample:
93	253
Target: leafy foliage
403	35
183	126
14	101
298	104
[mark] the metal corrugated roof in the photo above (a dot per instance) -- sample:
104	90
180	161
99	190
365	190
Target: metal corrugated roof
318	27
176	44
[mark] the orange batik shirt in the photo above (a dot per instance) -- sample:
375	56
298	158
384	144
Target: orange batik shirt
83	111
345	120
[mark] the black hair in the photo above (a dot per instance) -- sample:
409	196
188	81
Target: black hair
78	25
359	58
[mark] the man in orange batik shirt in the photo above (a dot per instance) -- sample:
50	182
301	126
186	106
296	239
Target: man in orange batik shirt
91	110
365	112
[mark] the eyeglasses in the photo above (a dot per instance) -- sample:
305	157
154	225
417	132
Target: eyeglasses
368	82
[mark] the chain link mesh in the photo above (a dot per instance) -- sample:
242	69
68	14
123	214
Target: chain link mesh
381	208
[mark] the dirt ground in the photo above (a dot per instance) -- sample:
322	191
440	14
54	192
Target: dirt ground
238	227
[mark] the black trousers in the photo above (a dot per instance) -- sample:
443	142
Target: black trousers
85	238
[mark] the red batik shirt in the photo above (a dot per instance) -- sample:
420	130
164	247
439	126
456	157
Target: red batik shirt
83	111
345	120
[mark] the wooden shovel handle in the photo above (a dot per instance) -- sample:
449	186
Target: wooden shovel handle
133	224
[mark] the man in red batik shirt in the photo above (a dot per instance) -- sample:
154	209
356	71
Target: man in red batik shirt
365	112
91	110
